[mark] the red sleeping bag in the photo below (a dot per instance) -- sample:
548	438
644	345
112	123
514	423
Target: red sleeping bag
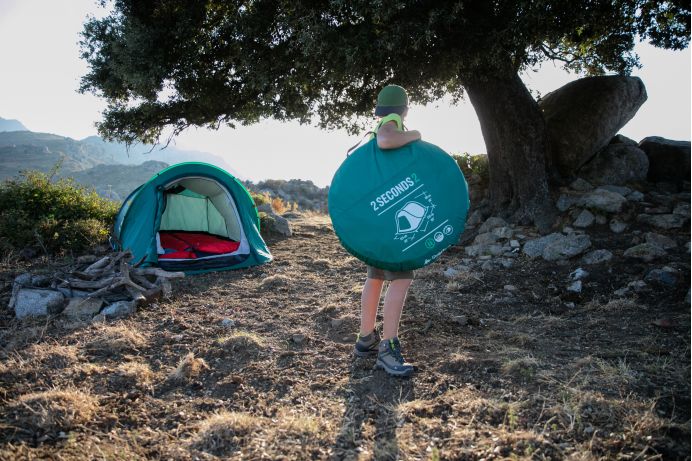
191	245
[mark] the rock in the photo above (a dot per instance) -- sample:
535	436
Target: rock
635	196
450	272
603	200
510	288
83	307
567	230
617	226
659	240
621	292
266	208
119	309
98	318
597	257
298	339
600	219
36	303
278	225
585	219
668	160
578	274
336	323
491	223
483	250
485	238
583	116
622	190
581	185
637	285
575	287
682	209
489	265
645	251
661	277
227	323
506	263
567	247
534	248
599	199
567	201
475	219
461	320
502	232
19	282
616	164
622	139
514	244
662	221
41	281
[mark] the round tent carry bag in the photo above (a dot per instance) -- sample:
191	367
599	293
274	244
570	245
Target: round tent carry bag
398	209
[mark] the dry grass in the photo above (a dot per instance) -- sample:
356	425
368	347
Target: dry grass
135	374
52	355
54	410
225	432
115	339
242	340
522	367
189	367
306	428
274	281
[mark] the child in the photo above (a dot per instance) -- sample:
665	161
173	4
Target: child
392	107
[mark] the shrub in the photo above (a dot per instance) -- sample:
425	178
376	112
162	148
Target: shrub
471	164
58	216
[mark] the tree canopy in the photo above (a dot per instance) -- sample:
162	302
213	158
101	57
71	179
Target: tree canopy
177	63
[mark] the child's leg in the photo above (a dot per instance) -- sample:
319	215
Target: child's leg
369	300
393	305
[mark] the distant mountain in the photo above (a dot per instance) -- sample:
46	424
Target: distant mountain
138	153
11	125
26	150
117	181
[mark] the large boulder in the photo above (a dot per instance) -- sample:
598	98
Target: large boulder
584	115
616	164
669	161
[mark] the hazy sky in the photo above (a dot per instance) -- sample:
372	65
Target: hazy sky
40	70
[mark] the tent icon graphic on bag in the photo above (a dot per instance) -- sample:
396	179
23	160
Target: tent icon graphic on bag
410	218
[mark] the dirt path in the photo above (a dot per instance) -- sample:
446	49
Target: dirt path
500	373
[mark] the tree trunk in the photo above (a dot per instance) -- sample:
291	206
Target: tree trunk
514	133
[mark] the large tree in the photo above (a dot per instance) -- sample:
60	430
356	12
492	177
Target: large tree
177	63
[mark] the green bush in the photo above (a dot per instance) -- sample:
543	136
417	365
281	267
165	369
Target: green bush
473	164
56	216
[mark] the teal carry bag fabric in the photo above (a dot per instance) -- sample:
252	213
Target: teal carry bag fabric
398	209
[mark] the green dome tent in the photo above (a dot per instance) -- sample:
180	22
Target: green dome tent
191	217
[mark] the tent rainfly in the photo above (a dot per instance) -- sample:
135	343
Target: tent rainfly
191	217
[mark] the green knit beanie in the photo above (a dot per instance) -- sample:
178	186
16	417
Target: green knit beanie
392	99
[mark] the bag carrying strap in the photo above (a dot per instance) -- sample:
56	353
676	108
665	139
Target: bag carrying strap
348	152
374	132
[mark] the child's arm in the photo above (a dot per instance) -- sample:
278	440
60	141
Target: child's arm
389	137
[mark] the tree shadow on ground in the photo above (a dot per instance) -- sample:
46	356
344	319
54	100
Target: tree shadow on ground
372	398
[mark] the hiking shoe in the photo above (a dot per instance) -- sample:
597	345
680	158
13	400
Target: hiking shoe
366	346
389	358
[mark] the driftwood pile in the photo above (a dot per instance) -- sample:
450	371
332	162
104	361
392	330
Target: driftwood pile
83	290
